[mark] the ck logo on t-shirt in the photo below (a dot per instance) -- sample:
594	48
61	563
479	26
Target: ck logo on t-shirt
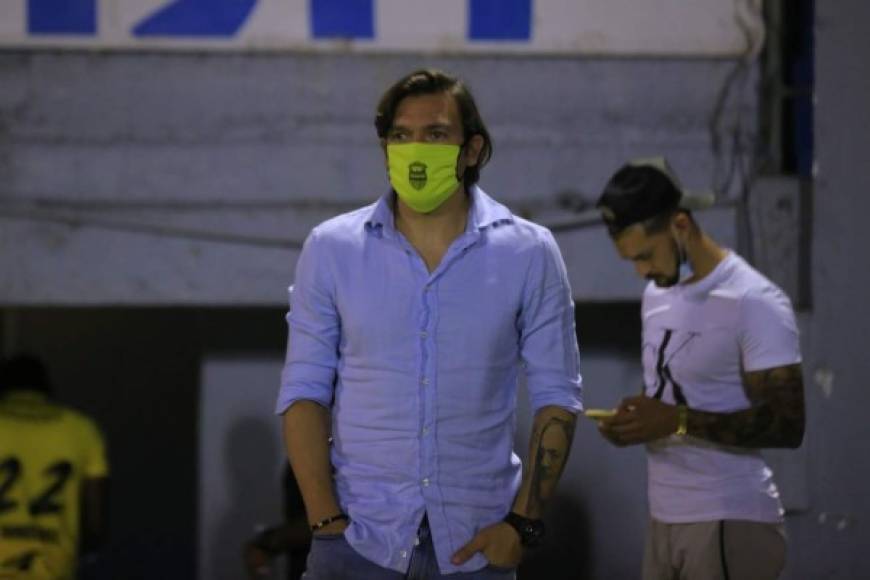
664	358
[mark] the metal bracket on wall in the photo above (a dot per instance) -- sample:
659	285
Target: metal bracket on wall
780	210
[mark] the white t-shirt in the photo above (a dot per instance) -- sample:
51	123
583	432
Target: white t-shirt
696	340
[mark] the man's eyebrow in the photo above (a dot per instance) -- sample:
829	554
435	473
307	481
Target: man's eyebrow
436	125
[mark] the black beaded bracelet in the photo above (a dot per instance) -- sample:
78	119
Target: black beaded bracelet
326	521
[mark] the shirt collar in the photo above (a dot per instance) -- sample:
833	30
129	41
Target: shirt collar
701	288
381	214
484	212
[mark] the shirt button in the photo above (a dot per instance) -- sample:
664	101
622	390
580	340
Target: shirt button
426	482
425	430
403	553
424	381
423	334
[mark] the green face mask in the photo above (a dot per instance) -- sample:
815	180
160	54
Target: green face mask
423	174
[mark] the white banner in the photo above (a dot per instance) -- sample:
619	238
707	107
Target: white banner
607	27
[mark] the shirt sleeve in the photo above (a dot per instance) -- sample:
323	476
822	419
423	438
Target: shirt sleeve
314	328
548	339
769	336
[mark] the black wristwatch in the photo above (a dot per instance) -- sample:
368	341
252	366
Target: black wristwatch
531	531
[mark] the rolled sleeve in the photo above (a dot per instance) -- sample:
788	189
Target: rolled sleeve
548	338
314	329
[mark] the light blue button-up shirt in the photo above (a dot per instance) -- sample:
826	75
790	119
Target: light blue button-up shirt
420	369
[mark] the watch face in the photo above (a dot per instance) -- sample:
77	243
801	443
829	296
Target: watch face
533	533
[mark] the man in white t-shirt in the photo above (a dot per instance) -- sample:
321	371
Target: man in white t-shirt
722	380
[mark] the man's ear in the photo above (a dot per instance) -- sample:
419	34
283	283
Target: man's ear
681	224
472	150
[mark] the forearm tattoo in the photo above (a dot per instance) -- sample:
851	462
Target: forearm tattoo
775	419
550	448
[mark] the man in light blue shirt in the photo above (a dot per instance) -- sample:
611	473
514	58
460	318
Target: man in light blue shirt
410	322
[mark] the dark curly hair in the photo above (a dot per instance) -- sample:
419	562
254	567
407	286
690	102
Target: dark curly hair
24	371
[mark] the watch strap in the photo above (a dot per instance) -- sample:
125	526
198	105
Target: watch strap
531	531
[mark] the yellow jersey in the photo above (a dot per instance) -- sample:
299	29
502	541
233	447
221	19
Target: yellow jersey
46	453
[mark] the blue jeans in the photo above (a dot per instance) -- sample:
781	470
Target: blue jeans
332	558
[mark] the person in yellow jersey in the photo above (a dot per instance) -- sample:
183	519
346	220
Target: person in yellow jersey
53	474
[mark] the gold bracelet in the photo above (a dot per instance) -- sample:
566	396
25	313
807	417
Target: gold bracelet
682	420
326	521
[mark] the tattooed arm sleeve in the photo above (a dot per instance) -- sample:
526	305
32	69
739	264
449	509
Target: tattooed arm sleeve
775	419
550	443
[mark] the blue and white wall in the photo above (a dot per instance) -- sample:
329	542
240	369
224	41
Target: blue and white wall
513	26
149	157
187	167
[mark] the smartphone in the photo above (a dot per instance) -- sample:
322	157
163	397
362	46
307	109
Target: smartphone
599	413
